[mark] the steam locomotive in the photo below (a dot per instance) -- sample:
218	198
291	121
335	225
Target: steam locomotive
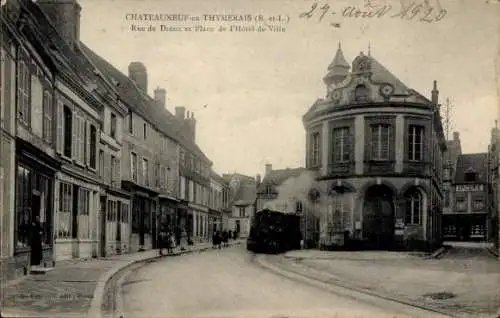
274	232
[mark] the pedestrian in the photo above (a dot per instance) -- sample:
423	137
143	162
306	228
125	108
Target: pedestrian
170	242
163	239
214	239
218	239
36	232
225	237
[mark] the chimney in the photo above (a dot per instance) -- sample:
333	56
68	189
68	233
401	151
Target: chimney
160	96
435	94
138	73
456	136
269	168
257	178
179	114
191	123
65	15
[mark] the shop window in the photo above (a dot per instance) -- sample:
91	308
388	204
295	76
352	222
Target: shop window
83	206
478	204
23	206
64	219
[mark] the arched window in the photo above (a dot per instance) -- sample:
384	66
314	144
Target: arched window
414	207
361	93
298	206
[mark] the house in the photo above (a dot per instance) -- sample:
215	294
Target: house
242	196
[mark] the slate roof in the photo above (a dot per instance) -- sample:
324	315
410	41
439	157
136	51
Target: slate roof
380	74
217	177
339	60
277	177
476	162
143	104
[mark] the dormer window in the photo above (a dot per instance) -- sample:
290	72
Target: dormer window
269	189
470	176
361	93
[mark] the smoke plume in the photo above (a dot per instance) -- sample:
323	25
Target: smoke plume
291	190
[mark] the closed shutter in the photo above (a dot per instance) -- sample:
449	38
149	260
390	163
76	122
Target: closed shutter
107	168
60	128
87	144
74	140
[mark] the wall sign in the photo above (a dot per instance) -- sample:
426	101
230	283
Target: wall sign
469	187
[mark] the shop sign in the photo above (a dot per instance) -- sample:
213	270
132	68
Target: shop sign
469	187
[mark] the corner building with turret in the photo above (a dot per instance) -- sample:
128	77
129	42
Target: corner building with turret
377	148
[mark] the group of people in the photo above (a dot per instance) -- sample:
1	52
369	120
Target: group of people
167	240
221	238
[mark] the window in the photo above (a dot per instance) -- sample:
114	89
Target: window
470	176
182	158
460	203
361	93
241	212
125	216
68	131
413	207
36	101
113	170
65	224
380	141
145	127
315	161
446	173
23	91
341	146
101	163
47	117
113	126
23	206
79	142
478	204
298	206
145	171
415	143
133	166
130	123
93	146
157	175
83	206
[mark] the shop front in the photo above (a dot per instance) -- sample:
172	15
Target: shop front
167	215
144	211
465	227
34	210
115	222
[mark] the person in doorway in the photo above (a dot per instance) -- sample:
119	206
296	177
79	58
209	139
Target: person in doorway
36	242
163	239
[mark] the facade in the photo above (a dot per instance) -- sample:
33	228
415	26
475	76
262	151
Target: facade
242	199
494	180
215	203
377	147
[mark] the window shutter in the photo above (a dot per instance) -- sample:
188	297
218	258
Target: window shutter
87	143
60	128
116	172
74	139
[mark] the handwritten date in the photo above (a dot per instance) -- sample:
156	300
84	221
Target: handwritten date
420	10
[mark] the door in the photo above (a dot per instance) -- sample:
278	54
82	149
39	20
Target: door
102	226
378	217
118	228
36	239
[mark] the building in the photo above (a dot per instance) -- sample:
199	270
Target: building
494	180
9	248
216	203
242	198
453	150
472	194
377	147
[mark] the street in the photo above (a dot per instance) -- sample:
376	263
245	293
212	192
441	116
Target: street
227	283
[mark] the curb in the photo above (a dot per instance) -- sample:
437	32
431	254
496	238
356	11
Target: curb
334	281
98	298
494	252
118	310
440	251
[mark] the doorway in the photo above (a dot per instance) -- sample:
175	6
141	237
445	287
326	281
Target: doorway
102	229
378	217
36	252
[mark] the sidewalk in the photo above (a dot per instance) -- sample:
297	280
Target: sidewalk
454	286
74	289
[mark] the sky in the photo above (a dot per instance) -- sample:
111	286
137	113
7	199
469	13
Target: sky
249	90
